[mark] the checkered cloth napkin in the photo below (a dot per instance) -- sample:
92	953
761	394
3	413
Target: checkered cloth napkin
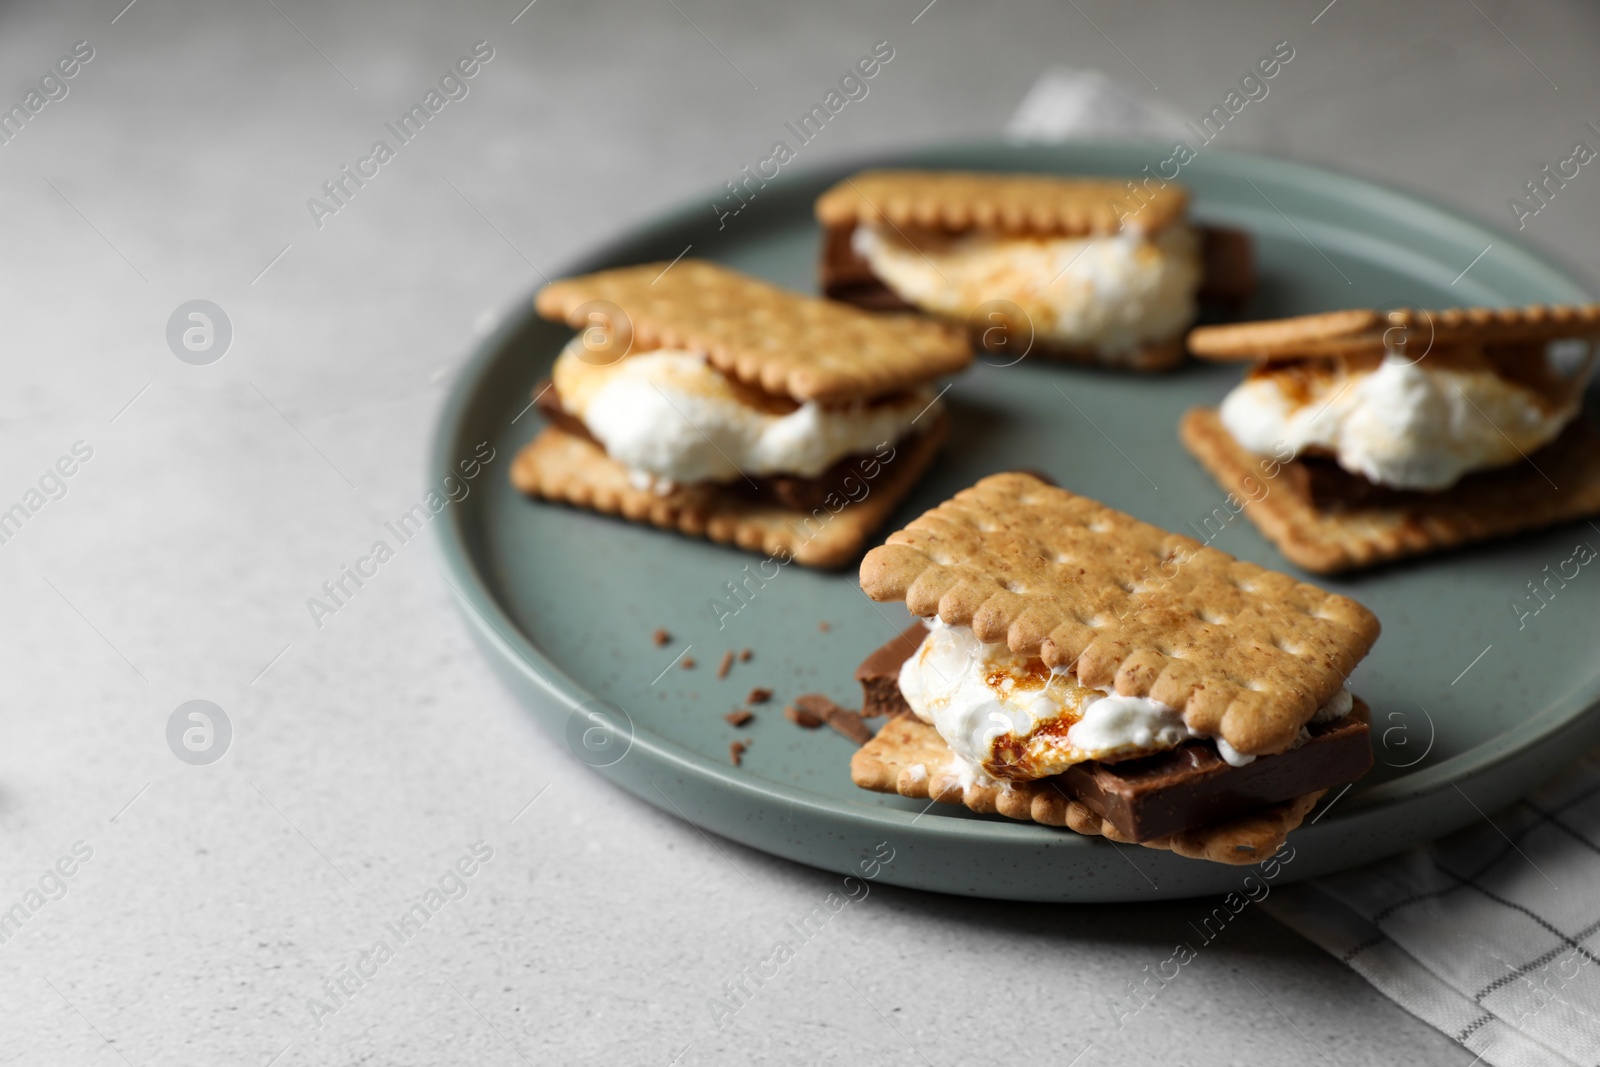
1491	935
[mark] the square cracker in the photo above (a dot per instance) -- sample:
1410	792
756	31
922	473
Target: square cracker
1246	653
1358	332
1035	204
1485	506
564	467
779	341
909	757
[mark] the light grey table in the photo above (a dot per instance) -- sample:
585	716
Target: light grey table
369	753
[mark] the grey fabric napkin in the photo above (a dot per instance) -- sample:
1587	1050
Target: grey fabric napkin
1491	935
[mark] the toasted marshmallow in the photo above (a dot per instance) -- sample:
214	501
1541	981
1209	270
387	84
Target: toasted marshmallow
1011	717
1110	293
1402	424
671	418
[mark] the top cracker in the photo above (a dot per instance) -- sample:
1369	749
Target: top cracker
761	335
1365	331
1034	204
1244	652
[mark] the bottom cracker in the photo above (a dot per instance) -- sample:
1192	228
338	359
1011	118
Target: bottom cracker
1331	540
569	469
909	757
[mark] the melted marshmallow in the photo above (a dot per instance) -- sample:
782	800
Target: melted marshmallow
670	418
1112	293
1011	717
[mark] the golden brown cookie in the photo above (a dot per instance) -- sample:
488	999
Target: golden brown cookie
1367	332
1245	653
1560	483
570	469
1035	204
780	341
909	757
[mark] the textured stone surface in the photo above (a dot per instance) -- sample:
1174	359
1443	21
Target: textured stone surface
370	754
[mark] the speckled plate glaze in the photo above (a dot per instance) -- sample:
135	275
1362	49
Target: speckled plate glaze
1475	697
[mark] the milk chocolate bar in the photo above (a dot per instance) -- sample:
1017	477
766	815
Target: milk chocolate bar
1193	786
1163	794
879	674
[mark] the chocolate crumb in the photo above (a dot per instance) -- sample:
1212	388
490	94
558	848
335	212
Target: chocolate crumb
660	637
738	717
825	709
744	657
688	663
851	725
817	704
802	718
758	695
736	751
824	627
726	665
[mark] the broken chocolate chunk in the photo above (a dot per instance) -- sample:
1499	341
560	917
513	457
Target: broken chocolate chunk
1192	785
802	718
825	709
879	674
851	725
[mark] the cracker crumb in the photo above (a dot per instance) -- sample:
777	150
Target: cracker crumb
660	637
744	657
758	695
736	751
687	663
739	716
801	718
824	627
726	665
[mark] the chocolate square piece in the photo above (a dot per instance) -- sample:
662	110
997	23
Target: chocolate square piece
1193	786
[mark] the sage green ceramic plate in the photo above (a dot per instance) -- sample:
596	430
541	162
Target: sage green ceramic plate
1474	699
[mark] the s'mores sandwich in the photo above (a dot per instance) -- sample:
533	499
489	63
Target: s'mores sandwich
701	400
1361	436
1090	270
1076	667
